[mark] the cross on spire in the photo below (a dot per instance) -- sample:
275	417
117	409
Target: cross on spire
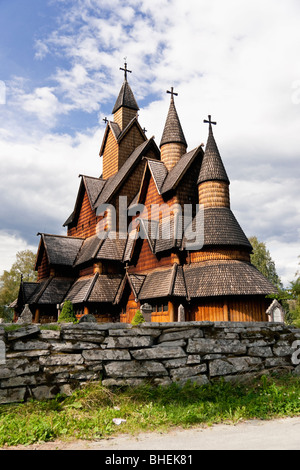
210	122
125	69
172	92
105	120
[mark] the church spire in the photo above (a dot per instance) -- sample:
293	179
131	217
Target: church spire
213	182
212	168
126	107
173	144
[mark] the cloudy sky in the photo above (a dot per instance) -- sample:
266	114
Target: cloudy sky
238	60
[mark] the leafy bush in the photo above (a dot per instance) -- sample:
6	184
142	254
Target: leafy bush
67	314
138	318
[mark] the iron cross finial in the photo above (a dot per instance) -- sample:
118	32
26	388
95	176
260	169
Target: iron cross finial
105	120
125	69
172	92
210	122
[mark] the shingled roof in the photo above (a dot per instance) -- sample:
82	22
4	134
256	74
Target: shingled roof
118	133
220	228
89	250
173	132
26	291
105	288
179	170
61	250
51	291
159	173
230	277
167	282
125	99
111	247
81	289
93	187
116	180
212	168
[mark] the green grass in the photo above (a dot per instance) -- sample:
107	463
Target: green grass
89	412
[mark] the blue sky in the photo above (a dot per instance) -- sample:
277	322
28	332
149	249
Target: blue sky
237	60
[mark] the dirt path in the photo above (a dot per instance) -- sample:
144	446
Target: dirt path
280	434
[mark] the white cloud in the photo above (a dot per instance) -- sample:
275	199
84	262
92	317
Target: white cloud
41	102
10	244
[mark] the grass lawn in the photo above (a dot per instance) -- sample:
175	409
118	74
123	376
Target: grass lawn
89	412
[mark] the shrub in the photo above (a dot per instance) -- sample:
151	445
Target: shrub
138	318
67	314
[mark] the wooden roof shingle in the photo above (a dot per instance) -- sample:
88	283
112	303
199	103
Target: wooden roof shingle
125	98
118	179
212	168
221	228
80	289
178	171
51	291
172	132
61	250
230	277
105	288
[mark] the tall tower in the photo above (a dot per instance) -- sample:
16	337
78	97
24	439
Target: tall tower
126	107
124	133
173	144
213	182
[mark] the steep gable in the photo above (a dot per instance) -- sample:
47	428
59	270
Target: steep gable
83	220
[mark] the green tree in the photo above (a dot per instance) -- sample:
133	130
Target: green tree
10	280
294	302
262	260
138	318
67	314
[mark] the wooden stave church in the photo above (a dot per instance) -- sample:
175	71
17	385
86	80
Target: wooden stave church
113	276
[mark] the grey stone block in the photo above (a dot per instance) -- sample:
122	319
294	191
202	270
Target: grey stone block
206	346
106	355
158	353
129	341
61	359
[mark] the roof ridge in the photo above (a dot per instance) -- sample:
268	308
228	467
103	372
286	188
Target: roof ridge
173	276
91	287
47	282
60	236
127	127
114	182
190	158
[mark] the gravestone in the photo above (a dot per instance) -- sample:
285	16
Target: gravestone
25	317
276	312
181	313
146	310
89	318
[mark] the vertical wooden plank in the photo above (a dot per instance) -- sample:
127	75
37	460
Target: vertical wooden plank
37	316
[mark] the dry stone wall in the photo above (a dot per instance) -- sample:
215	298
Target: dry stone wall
41	363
